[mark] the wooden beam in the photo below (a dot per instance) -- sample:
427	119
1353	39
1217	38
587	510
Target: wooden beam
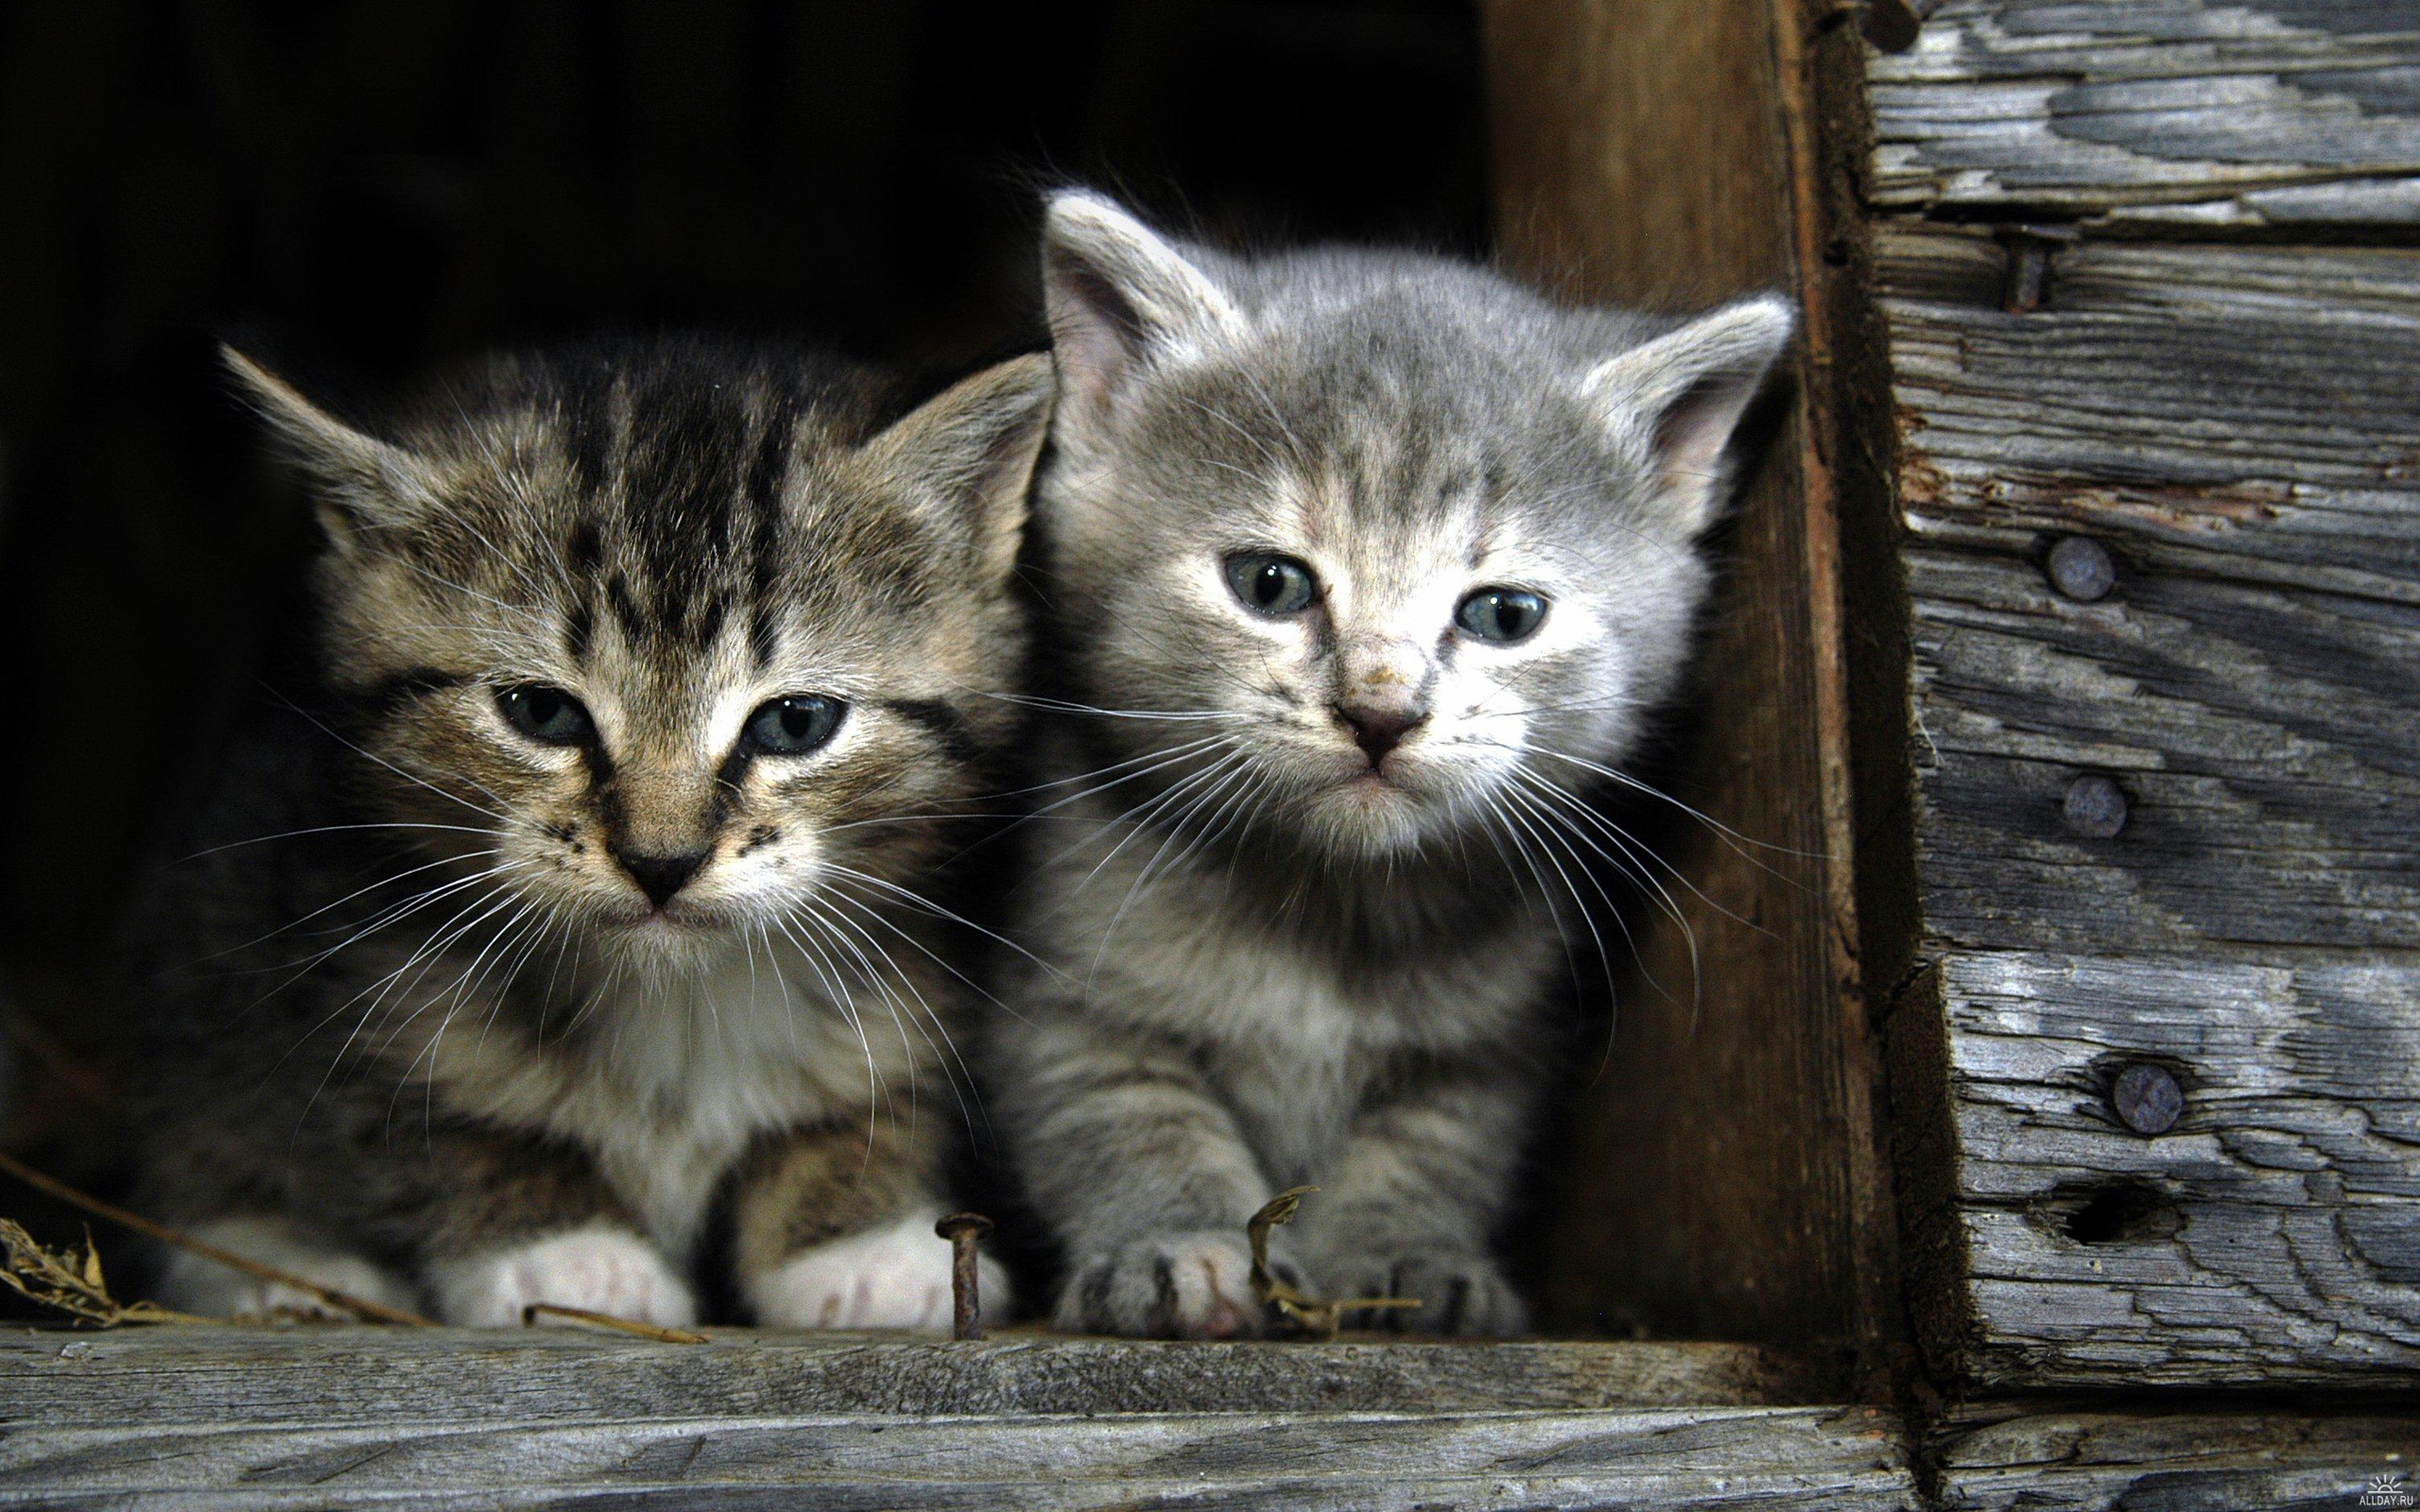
2268	115
1723	1179
2006	1458
1840	1459
358	1375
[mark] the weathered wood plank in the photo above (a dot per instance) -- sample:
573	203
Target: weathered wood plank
2271	1236
2011	1460
2239	428
2252	113
207	1375
1843	1457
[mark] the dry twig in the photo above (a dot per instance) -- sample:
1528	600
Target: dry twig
1306	1312
530	1314
358	1306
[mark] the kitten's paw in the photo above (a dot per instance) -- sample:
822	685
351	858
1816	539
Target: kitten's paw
601	1268
190	1283
895	1277
1189	1284
1458	1294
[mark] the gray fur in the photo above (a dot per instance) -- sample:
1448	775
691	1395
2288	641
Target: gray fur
1274	959
411	1010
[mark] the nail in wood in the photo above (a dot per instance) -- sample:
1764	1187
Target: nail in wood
964	1230
2148	1098
2094	808
2027	283
2079	568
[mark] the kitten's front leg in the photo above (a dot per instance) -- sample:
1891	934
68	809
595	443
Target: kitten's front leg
1407	1208
833	1229
504	1221
1142	1171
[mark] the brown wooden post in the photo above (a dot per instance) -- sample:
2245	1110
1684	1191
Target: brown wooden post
1723	1178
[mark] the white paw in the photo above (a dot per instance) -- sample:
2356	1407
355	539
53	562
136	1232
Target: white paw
1187	1284
193	1284
601	1268
896	1276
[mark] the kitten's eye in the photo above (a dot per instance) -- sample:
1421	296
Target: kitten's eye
548	716
1503	615
1274	586
794	726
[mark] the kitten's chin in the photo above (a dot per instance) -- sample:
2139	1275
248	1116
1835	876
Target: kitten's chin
1367	815
667	937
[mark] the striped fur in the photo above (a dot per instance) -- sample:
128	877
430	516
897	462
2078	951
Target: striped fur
437	1022
1280	950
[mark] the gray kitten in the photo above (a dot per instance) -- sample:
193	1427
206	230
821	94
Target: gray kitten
582	899
1362	566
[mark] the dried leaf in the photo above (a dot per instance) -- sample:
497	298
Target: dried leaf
71	1283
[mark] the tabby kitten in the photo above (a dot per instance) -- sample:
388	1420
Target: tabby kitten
1361	566
580	914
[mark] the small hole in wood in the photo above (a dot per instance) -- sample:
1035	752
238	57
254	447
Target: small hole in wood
2122	1213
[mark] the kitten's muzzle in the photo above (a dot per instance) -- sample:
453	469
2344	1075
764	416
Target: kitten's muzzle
1377	729
660	876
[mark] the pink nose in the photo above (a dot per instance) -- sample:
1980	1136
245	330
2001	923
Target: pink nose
1379	731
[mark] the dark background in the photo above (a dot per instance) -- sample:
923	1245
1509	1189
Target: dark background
363	189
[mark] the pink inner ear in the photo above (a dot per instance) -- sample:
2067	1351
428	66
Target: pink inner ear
1095	329
1692	434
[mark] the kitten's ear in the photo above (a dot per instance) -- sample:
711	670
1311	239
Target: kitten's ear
1117	296
364	482
972	449
1682	395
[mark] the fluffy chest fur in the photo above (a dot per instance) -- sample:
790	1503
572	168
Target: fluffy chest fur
1295	1035
669	1079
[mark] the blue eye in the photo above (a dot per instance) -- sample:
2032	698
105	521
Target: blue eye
1271	584
548	716
795	725
1503	615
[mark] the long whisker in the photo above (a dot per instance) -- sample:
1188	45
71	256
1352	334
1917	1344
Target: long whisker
497	815
332	828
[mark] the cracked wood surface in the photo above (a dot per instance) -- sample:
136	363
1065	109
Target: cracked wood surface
342	1416
2271	1236
196	1375
2012	1459
2237	422
2268	113
2240	429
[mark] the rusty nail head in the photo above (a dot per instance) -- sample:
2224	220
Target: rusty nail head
2148	1098
2027	283
964	1230
2081	569
2094	808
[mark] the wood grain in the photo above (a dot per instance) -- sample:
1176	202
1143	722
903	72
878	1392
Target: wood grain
1833	1458
2270	113
2236	421
1722	1177
2271	1236
2013	1459
195	1375
2233	424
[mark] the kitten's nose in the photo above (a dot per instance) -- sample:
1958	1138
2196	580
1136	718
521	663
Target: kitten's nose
1378	731
660	876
